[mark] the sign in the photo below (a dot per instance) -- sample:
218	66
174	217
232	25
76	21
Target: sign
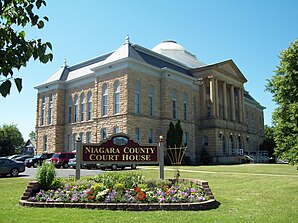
119	148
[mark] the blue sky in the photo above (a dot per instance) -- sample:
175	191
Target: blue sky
250	32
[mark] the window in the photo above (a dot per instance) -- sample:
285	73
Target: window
89	105
247	117
76	108
185	138
82	106
205	141
89	137
137	97
116	97
103	133
82	136
185	107
174	105
151	99
43	108
68	143
224	147
74	141
137	134
69	110
116	129
45	143
104	100
50	109
150	136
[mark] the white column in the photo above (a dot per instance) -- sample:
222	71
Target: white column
212	96
232	102
225	102
240	107
216	98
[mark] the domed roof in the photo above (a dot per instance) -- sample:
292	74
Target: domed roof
177	52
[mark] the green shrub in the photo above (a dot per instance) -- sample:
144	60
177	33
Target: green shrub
45	175
57	183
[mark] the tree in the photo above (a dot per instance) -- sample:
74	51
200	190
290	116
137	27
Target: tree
269	143
32	135
284	87
174	135
15	50
10	139
178	134
171	135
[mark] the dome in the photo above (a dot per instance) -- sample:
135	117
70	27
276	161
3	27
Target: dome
175	51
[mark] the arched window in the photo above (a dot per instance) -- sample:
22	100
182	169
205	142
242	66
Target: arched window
50	109
151	100
43	108
76	105
69	104
232	145
104	100
185	107
82	106
174	105
137	96
89	105
116	97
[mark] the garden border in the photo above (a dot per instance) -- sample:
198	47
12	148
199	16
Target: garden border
204	205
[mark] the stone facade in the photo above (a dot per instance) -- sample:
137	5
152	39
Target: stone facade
140	94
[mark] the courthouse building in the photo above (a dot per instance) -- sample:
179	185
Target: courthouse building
139	91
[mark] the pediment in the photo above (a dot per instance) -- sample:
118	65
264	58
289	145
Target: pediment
230	68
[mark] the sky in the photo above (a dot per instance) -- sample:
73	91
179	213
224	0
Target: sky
250	32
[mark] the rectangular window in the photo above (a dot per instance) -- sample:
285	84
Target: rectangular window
89	137
82	137
116	129
185	138
117	103
150	105
43	108
105	105
45	143
69	114
185	110
75	113
103	133
82	111
137	103
50	110
137	134
174	109
150	136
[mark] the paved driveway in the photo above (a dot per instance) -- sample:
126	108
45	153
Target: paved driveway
31	172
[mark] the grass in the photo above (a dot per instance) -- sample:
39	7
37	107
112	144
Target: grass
247	193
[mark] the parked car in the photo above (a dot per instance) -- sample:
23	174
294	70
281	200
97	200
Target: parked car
12	167
38	159
116	166
73	162
61	159
23	158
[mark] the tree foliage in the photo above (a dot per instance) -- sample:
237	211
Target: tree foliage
10	139
284	87
269	143
15	49
174	135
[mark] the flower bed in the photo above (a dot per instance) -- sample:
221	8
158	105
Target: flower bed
123	191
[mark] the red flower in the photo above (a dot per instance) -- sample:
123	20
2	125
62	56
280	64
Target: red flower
141	196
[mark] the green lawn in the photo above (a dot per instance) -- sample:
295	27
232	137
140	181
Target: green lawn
247	193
